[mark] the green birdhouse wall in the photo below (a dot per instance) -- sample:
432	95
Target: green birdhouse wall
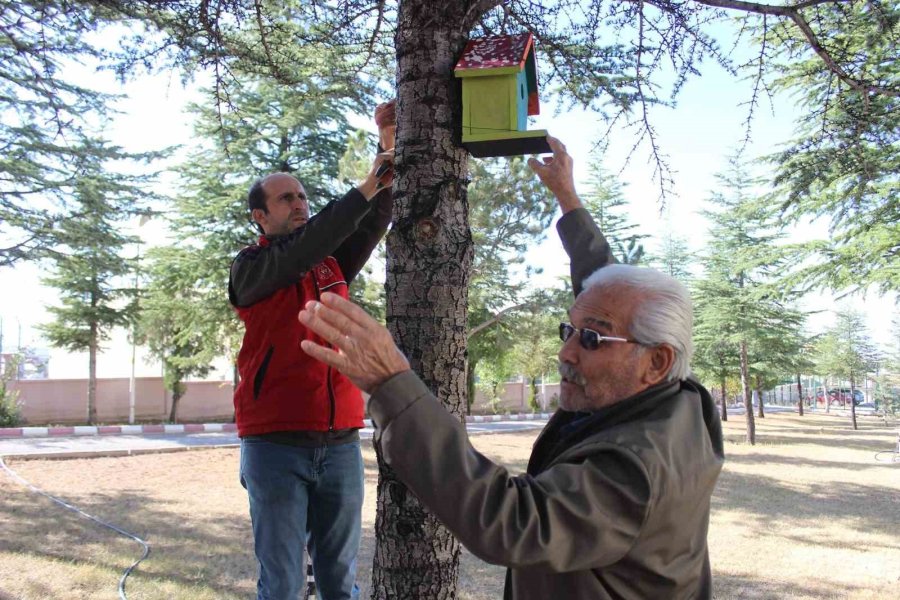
499	81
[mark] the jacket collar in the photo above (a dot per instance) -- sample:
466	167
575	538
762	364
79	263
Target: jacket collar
568	428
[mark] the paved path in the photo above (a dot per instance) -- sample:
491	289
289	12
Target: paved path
125	444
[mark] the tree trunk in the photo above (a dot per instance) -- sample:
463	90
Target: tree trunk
826	397
724	401
853	403
429	255
759	394
799	396
748	402
177	393
92	376
470	384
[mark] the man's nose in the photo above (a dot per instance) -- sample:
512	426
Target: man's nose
568	352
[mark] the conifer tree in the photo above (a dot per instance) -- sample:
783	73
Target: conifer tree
46	115
173	323
842	162
846	353
510	211
272	128
87	268
606	202
732	298
674	257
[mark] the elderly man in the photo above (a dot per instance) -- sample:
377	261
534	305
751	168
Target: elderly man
615	503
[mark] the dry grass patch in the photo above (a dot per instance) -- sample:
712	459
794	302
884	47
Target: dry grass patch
806	513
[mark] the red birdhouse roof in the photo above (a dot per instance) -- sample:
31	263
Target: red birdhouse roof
496	51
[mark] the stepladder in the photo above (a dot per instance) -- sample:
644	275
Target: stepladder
311	591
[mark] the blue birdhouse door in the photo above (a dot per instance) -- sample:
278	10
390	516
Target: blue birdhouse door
522	100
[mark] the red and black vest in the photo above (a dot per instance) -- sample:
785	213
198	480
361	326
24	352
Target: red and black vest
281	387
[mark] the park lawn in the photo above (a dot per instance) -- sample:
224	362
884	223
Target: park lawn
806	513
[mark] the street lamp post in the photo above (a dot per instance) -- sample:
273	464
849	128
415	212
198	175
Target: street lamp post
132	383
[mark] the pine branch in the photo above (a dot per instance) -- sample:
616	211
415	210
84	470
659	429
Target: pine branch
794	14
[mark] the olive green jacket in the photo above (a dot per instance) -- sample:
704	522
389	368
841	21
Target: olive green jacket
615	503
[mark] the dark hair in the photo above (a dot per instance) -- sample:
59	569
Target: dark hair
256	197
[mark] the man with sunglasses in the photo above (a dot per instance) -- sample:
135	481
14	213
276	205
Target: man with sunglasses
615	501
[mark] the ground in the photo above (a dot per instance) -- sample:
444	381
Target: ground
808	512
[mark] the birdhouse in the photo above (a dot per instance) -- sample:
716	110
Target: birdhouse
499	91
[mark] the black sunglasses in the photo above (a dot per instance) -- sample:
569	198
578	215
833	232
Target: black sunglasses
588	338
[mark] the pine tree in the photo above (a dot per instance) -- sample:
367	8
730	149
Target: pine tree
271	128
47	114
735	307
843	160
173	324
674	257
846	353
606	202
87	267
510	211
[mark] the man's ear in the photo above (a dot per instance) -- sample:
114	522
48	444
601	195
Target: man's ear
259	216
659	361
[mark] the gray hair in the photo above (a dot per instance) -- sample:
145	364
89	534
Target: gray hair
664	315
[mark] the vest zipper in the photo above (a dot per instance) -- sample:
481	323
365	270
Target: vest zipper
328	371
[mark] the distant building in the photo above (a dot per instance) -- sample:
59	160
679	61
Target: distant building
31	363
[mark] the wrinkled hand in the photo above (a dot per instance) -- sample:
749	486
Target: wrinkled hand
365	353
386	120
380	176
556	173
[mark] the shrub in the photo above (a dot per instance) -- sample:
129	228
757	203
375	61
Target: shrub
10	407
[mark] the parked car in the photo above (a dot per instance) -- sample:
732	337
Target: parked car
841	396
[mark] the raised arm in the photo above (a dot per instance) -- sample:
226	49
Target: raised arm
356	249
582	240
257	272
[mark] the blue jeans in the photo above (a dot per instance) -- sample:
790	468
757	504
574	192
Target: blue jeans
299	495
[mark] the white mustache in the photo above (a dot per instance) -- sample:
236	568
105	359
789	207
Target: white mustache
569	373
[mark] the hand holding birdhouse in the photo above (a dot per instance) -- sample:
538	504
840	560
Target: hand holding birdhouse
556	172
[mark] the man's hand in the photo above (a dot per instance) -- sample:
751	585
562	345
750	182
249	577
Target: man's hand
380	176
556	174
365	353
386	120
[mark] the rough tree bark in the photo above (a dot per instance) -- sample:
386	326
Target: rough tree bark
759	396
177	393
748	399
799	396
429	255
724	400
92	373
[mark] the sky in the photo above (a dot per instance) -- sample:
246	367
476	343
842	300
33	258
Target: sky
698	135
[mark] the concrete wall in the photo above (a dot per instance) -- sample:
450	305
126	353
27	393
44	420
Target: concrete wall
64	401
515	399
52	401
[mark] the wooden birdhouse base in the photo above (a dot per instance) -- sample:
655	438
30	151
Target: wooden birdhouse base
518	143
